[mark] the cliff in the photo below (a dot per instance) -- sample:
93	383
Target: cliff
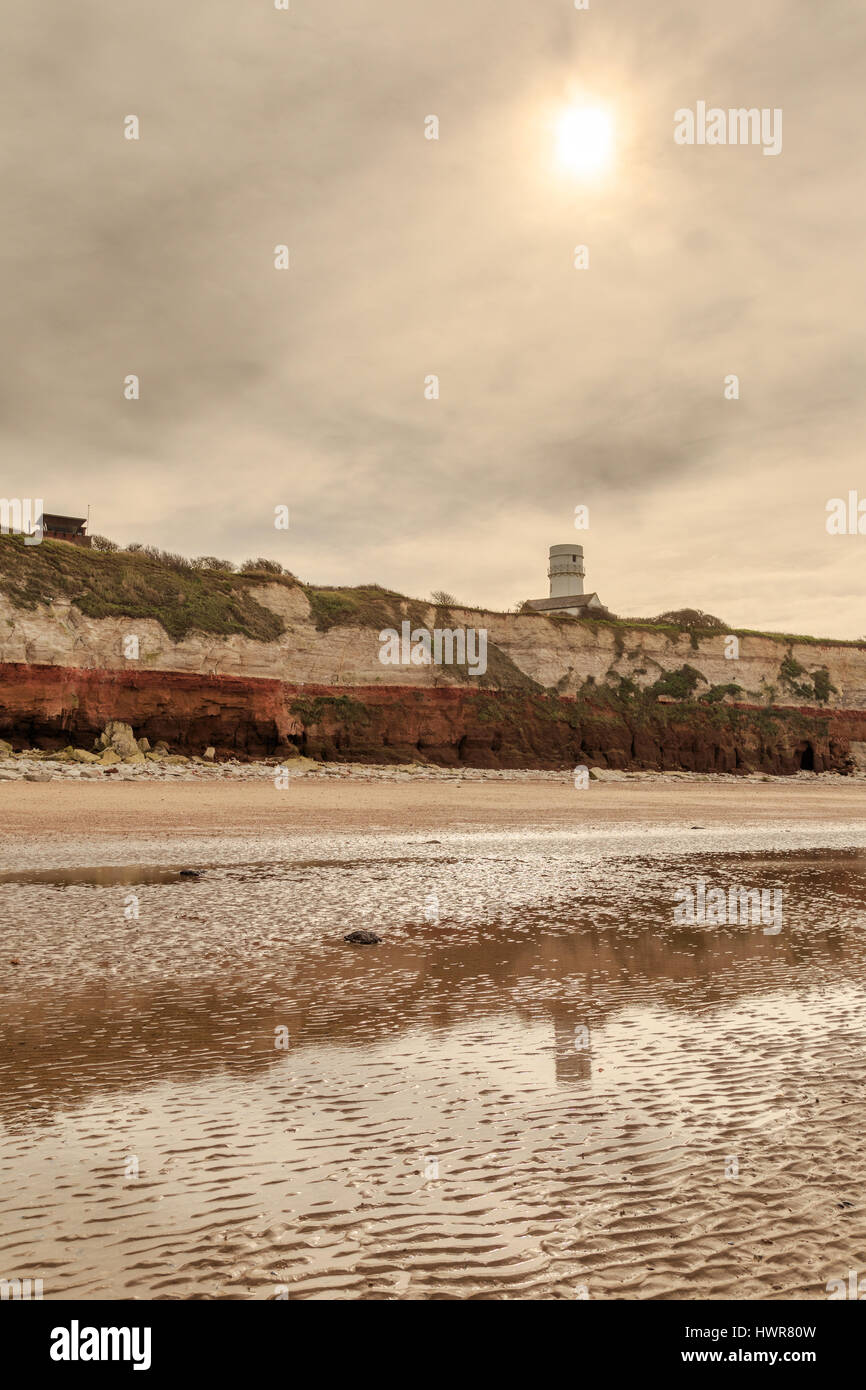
259	664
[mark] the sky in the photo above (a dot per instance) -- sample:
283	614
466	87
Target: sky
410	257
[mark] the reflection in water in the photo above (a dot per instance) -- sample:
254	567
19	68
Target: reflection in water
541	1089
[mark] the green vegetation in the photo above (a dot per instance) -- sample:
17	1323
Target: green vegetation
135	584
679	684
501	673
823	688
816	686
718	692
369	605
210	595
674	631
692	619
340	707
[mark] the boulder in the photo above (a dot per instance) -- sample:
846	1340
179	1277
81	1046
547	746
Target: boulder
363	938
144	745
5	749
118	736
80	755
109	757
210	754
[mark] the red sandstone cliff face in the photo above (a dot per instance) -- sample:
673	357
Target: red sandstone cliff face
51	706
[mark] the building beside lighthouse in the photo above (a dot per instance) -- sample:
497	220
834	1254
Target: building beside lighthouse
566	572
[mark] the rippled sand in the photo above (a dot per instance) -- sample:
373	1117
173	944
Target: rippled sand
436	1126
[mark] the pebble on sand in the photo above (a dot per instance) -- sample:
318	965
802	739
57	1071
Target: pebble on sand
363	938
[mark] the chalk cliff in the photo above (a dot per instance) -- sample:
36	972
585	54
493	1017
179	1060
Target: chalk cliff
556	692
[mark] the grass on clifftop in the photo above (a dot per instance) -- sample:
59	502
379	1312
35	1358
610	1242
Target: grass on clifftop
124	584
368	605
135	584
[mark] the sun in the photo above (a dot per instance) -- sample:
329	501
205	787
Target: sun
584	139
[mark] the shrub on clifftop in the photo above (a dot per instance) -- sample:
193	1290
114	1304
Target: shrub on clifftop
137	583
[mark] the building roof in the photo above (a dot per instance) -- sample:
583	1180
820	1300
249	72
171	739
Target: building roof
51	521
564	602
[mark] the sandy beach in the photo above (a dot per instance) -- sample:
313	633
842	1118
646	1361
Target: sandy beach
539	1084
351	804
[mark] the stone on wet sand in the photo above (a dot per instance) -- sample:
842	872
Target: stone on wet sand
363	938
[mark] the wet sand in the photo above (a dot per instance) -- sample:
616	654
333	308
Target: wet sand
540	1085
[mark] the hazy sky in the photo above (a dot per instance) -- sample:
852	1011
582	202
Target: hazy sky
410	257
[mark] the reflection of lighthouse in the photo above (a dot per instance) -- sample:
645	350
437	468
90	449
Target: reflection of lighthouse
571	1049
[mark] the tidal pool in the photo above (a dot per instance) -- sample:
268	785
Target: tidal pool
539	1085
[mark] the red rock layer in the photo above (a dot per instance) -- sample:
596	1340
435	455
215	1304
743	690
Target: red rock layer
51	706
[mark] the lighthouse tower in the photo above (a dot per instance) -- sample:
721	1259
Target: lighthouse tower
565	570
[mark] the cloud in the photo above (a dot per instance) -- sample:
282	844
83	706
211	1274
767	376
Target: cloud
453	257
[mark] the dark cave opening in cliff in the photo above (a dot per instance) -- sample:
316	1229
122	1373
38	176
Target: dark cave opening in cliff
807	758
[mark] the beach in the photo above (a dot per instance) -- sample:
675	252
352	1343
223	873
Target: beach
540	1084
343	801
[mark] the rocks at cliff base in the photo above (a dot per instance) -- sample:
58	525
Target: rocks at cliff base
363	938
119	737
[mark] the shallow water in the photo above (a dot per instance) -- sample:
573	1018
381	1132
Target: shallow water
539	1085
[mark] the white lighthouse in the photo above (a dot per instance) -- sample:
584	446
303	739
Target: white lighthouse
565	571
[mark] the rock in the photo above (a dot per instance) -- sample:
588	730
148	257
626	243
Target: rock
363	938
190	873
118	736
5	749
144	745
109	756
80	755
14	776
37	777
136	757
160	746
210	754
